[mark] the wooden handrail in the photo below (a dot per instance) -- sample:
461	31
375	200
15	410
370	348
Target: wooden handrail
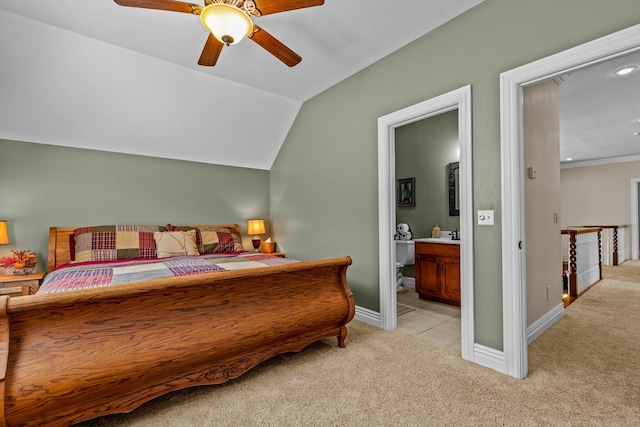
581	230
573	261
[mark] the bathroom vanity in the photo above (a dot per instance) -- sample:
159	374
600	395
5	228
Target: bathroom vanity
438	270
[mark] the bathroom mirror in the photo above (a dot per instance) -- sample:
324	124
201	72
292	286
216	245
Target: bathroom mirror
454	193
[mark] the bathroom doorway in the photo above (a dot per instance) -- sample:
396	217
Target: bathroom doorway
424	152
459	100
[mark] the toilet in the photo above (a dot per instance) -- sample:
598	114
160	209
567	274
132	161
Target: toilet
405	255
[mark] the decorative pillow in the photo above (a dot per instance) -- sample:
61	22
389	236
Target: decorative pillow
211	239
113	242
175	243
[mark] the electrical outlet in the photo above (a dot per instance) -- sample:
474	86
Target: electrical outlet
485	217
548	293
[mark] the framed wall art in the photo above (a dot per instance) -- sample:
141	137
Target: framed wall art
406	192
454	189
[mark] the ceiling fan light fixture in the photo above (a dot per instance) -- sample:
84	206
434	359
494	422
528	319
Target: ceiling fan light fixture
229	24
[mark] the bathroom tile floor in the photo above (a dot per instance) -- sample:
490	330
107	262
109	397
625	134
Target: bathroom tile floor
430	320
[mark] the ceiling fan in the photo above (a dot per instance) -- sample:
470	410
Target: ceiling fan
229	21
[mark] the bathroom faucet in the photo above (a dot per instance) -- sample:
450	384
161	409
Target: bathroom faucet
455	235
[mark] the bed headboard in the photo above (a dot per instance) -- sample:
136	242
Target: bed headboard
59	252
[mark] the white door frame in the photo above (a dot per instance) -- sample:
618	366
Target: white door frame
635	218
512	174
459	99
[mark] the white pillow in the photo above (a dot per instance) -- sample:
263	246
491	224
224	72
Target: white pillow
175	243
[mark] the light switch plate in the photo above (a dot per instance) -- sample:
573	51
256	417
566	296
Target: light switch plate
485	217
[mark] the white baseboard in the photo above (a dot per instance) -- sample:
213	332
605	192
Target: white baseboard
368	316
538	327
409	282
489	357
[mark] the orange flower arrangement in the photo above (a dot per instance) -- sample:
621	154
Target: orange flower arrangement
24	259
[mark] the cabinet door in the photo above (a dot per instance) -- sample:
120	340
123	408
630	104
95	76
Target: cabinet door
427	275
451	279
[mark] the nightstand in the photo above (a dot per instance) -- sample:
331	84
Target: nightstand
14	285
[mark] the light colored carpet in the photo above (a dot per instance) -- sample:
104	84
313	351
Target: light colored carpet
628	271
584	371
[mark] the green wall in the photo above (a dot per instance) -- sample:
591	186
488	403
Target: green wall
324	191
423	150
44	185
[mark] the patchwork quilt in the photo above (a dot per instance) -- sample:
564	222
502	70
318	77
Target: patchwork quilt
97	274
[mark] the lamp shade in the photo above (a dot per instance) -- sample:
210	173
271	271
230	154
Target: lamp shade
256	226
4	238
229	24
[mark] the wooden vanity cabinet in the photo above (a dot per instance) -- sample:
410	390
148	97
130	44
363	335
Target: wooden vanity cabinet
438	272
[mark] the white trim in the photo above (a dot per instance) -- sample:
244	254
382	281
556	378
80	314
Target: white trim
538	327
514	307
459	99
489	357
598	162
513	259
635	215
367	316
409	282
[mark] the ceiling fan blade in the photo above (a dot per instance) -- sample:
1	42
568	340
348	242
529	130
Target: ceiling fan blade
267	7
211	52
170	5
275	47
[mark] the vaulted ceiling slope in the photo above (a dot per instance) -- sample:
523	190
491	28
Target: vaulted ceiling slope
92	74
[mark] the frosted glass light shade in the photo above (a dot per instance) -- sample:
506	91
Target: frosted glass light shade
227	23
4	238
256	226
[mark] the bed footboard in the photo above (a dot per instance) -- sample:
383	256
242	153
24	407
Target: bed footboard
77	355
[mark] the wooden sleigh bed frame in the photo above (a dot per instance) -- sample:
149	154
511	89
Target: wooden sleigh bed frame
72	356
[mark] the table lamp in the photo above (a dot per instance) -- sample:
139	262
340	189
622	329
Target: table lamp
255	227
4	238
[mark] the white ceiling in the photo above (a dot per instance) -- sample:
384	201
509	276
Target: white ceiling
600	112
92	74
249	99
335	40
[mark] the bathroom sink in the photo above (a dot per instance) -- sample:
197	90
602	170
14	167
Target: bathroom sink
440	240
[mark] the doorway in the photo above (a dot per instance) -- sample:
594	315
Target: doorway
426	152
635	218
513	236
459	99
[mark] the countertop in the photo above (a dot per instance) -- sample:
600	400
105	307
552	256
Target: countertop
446	241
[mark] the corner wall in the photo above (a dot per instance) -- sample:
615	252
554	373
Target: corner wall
423	150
